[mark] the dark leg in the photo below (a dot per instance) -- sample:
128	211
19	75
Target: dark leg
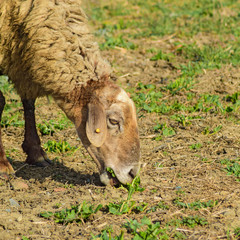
5	166
31	144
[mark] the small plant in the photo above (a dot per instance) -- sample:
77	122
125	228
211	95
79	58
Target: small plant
166	131
232	167
179	236
179	84
57	205
233	98
111	172
237	232
195	146
107	235
25	238
119	41
160	205
184	120
191	221
59	147
46	128
79	213
145	229
161	56
209	132
127	206
195	205
50	127
5	86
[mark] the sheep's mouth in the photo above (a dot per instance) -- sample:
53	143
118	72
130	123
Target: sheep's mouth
108	177
113	181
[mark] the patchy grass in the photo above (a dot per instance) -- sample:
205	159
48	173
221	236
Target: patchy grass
79	213
58	147
179	60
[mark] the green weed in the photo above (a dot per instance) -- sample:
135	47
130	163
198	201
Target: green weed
107	235
128	206
165	130
150	99
118	41
12	115
179	84
147	97
233	98
179	236
196	205
162	56
195	146
160	205
207	131
25	238
145	229
184	120
59	147
50	127
237	232
79	213
5	86
191	221
232	167
209	57
111	172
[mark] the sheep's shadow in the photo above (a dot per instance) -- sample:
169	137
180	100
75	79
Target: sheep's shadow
57	171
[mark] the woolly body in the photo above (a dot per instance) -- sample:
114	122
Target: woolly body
46	47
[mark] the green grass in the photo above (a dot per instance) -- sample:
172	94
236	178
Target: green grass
5	86
145	229
195	146
127	206
78	213
150	98
195	205
237	232
119	41
141	19
58	147
232	167
51	126
163	130
189	221
176	103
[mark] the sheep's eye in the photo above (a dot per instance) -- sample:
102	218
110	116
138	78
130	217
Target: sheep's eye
113	121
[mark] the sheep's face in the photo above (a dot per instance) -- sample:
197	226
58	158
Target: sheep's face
110	134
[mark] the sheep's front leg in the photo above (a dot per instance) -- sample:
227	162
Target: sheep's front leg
5	166
31	144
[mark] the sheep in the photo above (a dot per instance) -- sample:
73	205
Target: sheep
46	48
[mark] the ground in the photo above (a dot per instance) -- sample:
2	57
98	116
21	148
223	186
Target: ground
186	88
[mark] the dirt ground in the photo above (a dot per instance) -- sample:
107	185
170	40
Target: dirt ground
168	165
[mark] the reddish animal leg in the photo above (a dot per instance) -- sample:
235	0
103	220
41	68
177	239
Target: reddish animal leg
31	144
5	166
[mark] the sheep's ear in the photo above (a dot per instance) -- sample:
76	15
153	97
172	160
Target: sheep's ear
96	126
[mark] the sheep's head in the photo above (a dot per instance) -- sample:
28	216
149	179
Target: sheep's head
109	132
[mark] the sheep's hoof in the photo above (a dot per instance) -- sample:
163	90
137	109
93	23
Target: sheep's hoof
6	170
42	162
39	160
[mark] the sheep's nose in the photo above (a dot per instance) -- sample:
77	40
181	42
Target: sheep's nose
132	174
134	171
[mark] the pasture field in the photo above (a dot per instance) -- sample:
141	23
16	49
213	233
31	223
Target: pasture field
180	61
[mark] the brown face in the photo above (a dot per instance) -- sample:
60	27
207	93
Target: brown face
110	134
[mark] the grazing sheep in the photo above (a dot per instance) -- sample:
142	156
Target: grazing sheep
47	49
